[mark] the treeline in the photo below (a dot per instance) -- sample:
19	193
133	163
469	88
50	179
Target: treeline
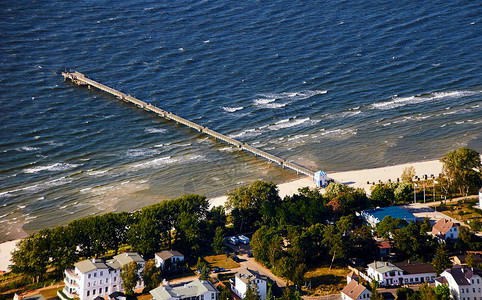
184	223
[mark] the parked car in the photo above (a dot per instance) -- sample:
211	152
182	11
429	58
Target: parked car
235	258
217	270
243	239
250	254
233	240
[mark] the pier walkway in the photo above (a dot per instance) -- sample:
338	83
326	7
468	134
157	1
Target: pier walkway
80	79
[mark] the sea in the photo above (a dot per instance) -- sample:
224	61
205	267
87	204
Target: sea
330	85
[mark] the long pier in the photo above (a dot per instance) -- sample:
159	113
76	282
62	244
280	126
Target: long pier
80	79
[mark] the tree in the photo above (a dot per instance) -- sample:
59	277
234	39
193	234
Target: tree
218	243
269	295
426	292
151	275
382	195
204	273
442	259
387	226
336	242
298	276
32	256
443	292
130	276
253	203
403	192
375	295
404	293
252	291
462	169
408	174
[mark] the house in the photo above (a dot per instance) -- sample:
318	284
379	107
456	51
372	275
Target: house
415	272
197	289
375	216
169	260
96	277
385	273
352	276
445	229
384	249
464	283
244	277
462	259
355	291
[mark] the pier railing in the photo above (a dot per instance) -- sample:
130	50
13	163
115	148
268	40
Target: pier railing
80	79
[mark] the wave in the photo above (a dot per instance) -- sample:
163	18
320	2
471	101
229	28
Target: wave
232	109
246	133
266	100
142	152
28	148
436	96
155	130
287	123
51	168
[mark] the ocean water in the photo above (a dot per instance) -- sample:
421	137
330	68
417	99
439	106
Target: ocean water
331	85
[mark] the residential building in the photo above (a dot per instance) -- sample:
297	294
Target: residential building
352	276
96	277
385	273
169	260
244	277
409	272
415	272
355	291
445	229
197	289
384	249
462	259
375	216
464	283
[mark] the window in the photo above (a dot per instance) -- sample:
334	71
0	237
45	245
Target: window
93	292
212	295
107	280
100	291
115	279
100	282
88	276
461	291
88	283
95	274
95	282
88	293
106	289
101	273
411	279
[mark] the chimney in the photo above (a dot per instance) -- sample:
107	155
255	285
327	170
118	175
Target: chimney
386	263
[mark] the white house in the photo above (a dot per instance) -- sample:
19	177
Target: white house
198	289
385	273
169	260
245	277
464	283
409	272
445	229
415	272
92	278
355	291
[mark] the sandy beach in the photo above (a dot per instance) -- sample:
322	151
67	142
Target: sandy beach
357	179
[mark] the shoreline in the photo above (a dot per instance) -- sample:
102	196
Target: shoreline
356	179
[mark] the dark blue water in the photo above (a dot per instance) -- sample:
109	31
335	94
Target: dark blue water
332	85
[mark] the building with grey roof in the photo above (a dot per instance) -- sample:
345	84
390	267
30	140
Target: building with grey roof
375	216
246	277
409	272
464	283
169	260
92	278
197	289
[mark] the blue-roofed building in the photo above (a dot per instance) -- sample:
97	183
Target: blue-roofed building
374	216
321	179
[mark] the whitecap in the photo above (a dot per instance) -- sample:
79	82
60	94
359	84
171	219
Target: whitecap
435	96
52	167
232	109
28	148
286	123
141	152
245	133
155	130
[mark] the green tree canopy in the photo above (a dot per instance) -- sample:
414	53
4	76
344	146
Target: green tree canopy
151	275
461	168
442	259
130	276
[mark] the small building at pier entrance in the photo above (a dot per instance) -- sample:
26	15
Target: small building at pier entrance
321	179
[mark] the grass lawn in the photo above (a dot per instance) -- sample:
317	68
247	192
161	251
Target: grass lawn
220	261
324	280
51	292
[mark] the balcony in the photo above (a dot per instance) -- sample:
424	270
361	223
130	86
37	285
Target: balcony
70	274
